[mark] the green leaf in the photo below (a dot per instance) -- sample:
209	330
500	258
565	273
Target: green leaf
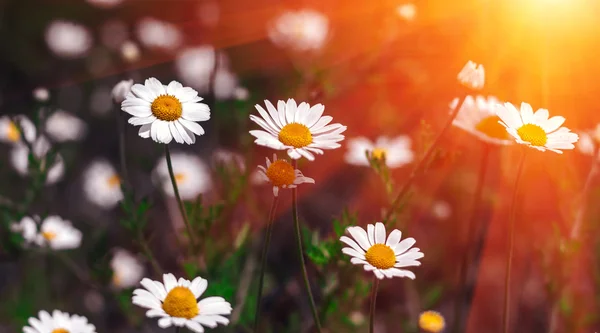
318	255
432	296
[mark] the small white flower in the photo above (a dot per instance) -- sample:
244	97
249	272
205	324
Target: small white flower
166	112
120	90
19	157
536	130
407	11
191	174
302	130
384	258
158	34
176	303
27	228
58	234
62	126
130	52
68	40
59	322
105	3
478	117
102	185
303	30
9	131
441	210
41	94
472	76
241	93
394	152
281	174
128	271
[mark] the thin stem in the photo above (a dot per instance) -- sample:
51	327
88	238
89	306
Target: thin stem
179	202
511	242
373	302
121	128
471	226
263	263
146	249
311	300
422	163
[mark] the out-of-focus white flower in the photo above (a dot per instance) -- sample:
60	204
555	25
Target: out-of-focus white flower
9	131
302	30
208	13
62	126
120	90
225	84
104	3
191	174
19	157
228	158
130	51
195	66
41	94
59	322
407	11
27	228
158	34
68	39
394	152
128	271
241	94
441	210
102	184
472	76
59	234
114	33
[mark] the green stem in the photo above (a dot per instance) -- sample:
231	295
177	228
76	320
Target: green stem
311	300
179	202
422	162
122	156
263	264
471	226
511	242
373	302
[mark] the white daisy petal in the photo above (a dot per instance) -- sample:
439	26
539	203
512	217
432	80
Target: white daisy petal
371	234
360	235
379	233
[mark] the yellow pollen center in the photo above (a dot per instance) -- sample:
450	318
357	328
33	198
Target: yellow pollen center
281	173
180	178
378	154
49	235
181	303
533	134
381	256
295	135
490	127
166	107
431	321
114	181
13	133
60	330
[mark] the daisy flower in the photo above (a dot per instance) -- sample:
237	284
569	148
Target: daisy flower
19	157
9	131
384	258
102	185
299	129
127	269
68	40
176	303
281	174
536	130
58	234
477	116
62	126
27	228
394	152
191	174
431	321
120	90
166	112
58	322
472	76
157	34
303	30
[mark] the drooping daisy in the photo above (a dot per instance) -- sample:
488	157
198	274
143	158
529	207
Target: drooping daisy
407	11
62	126
478	117
191	174
384	258
58	234
59	322
102	185
128	271
9	131
176	303
536	130
27	228
166	112
68	39
302	130
394	152
19	157
281	174
472	76
120	90
303	30
431	321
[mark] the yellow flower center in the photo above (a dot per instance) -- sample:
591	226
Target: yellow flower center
180	302
60	330
378	154
490	127
295	135
116	279
180	178
166	107
49	235
533	134
381	256
431	321
13	133
113	181
281	173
